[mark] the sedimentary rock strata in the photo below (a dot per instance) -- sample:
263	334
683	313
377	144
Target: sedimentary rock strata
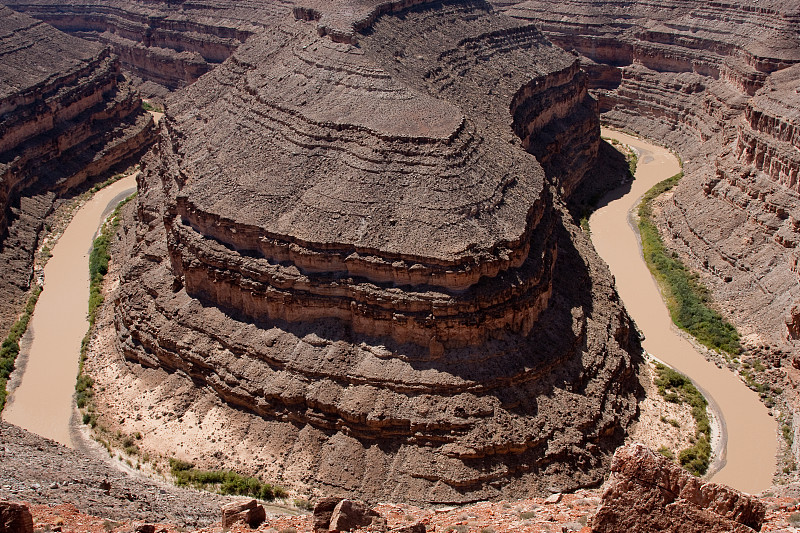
343	234
66	114
169	44
717	82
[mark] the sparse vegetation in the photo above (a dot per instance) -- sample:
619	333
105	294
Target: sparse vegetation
155	108
666	452
223	481
305	505
527	515
676	387
788	434
10	347
688	301
99	258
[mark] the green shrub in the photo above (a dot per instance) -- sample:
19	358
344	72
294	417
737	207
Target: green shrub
9	349
666	452
673	384
687	299
225	481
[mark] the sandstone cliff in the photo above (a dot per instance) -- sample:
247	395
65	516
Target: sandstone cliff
342	233
66	114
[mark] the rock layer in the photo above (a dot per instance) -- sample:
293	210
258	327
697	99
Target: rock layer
717	82
66	115
351	242
169	44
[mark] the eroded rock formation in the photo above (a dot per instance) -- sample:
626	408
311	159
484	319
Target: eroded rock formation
342	233
169	44
66	114
648	492
718	82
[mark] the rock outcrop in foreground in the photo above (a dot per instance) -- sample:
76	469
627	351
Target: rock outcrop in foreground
648	492
345	233
66	115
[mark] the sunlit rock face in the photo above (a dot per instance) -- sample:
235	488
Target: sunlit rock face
719	83
345	231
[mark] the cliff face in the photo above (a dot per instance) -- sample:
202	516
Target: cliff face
717	82
352	243
65	114
168	43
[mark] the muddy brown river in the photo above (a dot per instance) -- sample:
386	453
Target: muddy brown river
43	401
746	451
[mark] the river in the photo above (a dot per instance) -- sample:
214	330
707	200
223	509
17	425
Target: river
747	450
43	402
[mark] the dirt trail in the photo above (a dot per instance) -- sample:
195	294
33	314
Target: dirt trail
747	457
43	401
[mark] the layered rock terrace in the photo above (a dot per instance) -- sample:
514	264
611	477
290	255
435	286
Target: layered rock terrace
348	239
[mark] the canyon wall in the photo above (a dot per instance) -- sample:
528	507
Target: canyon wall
66	114
718	82
168	44
343	234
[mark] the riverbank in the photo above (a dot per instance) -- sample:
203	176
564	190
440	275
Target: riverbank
41	401
747	458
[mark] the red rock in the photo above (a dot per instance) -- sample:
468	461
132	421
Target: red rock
323	511
647	492
15	518
248	512
350	514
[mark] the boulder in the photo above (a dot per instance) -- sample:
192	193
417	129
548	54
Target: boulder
647	492
351	514
323	511
15	518
248	512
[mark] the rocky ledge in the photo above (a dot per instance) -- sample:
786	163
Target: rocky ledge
66	115
347	239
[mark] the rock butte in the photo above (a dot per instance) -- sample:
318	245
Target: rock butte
342	230
352	243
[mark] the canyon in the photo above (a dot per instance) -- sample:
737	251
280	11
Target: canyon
67	115
383	280
356	227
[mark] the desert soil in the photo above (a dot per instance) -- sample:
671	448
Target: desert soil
747	458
